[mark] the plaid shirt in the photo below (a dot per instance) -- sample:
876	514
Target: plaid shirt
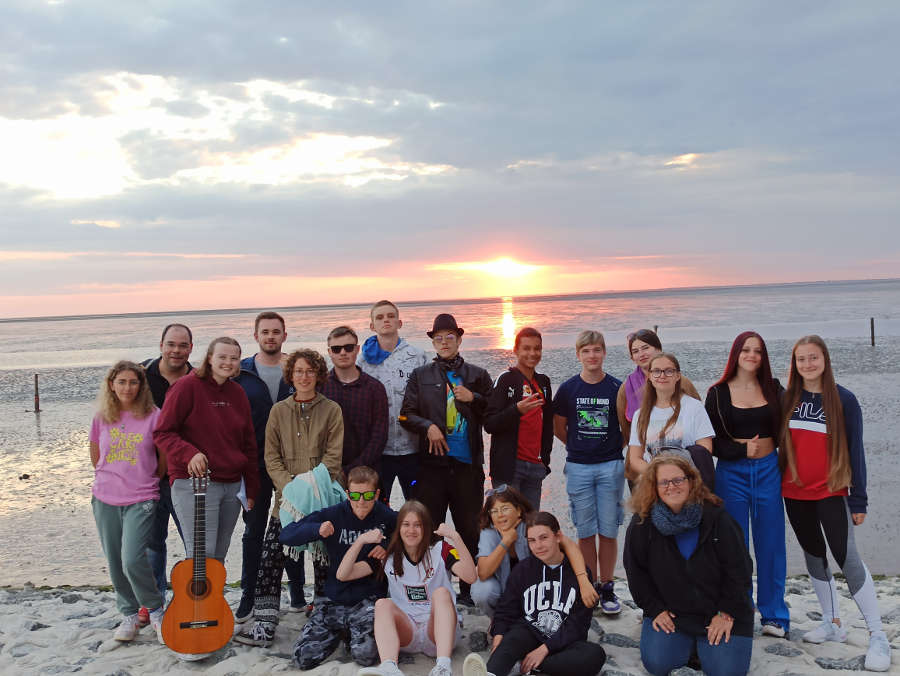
364	406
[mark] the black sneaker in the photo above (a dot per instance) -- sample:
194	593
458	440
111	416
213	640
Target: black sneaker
256	634
465	599
245	609
609	602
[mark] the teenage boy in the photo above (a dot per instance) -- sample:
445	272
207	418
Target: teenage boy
348	610
444	404
363	402
519	418
540	619
390	359
262	378
175	347
585	420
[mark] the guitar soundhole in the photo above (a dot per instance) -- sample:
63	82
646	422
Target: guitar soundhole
198	588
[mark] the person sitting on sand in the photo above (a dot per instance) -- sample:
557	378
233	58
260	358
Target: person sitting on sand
127	468
824	489
348	609
689	571
419	614
540	620
502	545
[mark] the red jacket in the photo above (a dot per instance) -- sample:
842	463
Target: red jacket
201	416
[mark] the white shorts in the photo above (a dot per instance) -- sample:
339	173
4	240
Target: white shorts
421	643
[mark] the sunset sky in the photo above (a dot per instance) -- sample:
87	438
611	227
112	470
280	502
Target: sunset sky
179	155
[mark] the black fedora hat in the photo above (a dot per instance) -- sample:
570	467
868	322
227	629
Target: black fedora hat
445	322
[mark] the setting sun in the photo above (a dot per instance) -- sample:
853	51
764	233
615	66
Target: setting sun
500	267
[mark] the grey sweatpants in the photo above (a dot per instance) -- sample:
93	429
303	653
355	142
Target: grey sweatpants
222	511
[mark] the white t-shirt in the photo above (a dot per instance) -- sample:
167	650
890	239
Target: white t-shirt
412	591
692	424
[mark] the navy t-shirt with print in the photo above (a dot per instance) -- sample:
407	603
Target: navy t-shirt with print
593	433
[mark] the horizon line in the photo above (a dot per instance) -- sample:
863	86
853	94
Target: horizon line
436	301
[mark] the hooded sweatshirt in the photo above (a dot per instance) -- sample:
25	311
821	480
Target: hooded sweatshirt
547	600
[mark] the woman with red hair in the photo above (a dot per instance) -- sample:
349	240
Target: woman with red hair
744	409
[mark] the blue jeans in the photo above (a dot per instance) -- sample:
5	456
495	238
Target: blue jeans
527	479
662	652
595	497
156	547
751	489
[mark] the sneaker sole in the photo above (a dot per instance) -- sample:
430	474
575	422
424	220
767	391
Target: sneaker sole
252	642
611	612
474	666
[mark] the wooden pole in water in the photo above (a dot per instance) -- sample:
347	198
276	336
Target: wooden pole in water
37	396
872	329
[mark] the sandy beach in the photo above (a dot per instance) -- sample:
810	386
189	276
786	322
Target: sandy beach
67	630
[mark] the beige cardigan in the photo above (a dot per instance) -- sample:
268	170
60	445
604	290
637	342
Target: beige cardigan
298	440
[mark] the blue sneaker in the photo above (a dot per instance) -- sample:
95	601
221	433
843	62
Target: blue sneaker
609	602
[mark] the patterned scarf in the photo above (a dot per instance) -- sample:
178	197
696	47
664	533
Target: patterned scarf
668	522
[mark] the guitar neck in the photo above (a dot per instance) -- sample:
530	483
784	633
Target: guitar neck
199	534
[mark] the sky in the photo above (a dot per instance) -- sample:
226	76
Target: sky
216	154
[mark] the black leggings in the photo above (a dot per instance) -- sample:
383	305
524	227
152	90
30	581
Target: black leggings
581	658
808	519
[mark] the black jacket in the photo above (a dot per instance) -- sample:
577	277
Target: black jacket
716	578
260	401
425	404
501	421
719	408
547	601
157	382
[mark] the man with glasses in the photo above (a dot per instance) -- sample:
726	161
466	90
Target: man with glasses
390	359
262	377
585	421
444	404
348	609
175	347
362	399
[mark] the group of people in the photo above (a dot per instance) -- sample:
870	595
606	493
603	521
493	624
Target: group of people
309	456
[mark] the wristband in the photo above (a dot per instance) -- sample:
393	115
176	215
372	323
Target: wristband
503	544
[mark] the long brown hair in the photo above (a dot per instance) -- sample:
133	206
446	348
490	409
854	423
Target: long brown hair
839	475
395	547
649	401
108	405
205	370
646	492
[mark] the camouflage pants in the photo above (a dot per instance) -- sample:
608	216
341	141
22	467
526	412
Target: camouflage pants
268	579
329	624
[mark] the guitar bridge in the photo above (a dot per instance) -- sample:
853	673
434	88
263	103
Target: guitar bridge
198	624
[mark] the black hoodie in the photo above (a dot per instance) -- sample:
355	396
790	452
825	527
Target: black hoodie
547	600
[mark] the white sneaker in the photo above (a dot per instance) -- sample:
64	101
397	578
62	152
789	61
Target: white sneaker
128	629
156	618
383	669
440	670
827	631
474	666
773	629
878	658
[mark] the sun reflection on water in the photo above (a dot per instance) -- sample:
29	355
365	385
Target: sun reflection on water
508	324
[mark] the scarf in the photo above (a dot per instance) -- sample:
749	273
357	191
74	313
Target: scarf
307	493
669	523
372	352
633	386
450	364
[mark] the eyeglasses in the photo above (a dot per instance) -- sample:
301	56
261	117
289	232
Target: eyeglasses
504	510
348	348
298	373
368	496
495	490
663	484
446	338
659	373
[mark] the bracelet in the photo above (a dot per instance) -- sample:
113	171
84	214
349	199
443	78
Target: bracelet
503	544
725	616
580	574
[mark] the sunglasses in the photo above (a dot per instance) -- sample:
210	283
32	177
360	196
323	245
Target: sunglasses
494	491
368	496
348	348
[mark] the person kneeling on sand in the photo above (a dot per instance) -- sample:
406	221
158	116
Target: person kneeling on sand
420	613
348	610
540	620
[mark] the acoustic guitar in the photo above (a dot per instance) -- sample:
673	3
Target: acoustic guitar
198	619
